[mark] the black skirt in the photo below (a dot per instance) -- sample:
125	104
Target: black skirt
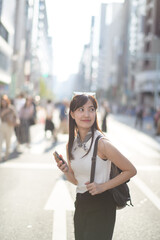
94	217
49	125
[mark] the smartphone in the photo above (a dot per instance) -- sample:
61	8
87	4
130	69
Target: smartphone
57	156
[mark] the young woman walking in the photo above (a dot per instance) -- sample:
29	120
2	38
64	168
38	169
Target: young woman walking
95	209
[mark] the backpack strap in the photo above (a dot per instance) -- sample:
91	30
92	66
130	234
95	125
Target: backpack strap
93	166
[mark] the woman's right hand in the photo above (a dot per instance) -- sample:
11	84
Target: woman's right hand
62	166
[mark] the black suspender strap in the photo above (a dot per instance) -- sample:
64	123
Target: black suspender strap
93	166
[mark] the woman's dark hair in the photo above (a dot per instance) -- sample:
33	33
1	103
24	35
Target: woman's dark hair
77	102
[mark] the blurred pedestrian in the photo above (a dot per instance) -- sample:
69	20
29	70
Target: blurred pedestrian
19	102
25	114
95	209
49	124
64	117
139	115
9	119
105	112
157	121
32	120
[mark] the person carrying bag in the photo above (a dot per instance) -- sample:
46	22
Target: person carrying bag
8	120
95	207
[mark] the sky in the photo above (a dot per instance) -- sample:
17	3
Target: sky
69	25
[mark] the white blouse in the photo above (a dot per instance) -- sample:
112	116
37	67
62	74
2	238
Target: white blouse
82	165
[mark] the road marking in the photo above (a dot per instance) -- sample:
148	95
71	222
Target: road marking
48	166
152	148
149	194
60	201
149	168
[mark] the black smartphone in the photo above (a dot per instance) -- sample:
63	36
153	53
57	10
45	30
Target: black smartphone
57	156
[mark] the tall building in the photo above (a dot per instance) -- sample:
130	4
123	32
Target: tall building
83	78
124	86
41	48
32	51
7	11
110	48
19	49
147	56
87	75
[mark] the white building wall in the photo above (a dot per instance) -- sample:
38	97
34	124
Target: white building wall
6	46
110	31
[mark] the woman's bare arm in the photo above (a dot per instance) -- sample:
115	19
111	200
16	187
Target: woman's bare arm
107	151
111	153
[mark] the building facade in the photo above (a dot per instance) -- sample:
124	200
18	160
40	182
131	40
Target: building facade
6	43
26	47
147	56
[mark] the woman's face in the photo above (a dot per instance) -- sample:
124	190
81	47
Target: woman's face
84	116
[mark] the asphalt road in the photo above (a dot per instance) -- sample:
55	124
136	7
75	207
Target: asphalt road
36	202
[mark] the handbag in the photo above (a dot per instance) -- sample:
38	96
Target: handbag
32	121
121	193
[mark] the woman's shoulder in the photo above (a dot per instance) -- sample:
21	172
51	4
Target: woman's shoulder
101	134
103	142
98	133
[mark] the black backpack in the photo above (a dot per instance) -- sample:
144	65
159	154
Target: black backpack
121	193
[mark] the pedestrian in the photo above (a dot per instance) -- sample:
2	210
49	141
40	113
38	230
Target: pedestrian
19	102
95	209
25	114
157	121
9	119
63	128
49	125
105	113
139	115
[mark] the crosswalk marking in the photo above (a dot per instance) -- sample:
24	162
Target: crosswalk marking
148	168
47	166
147	191
60	201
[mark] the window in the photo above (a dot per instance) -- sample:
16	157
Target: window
157	19
147	46
3	32
4	62
0	7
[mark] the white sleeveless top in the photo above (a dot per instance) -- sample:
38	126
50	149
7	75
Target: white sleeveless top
82	165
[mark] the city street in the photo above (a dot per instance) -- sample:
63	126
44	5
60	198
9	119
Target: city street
37	203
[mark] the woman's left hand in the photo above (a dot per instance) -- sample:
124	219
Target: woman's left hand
94	188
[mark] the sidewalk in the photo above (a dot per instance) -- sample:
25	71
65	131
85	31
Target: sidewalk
33	130
148	127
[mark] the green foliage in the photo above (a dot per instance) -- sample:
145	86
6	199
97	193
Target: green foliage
44	92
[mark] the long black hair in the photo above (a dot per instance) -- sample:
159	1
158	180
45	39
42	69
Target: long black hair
77	102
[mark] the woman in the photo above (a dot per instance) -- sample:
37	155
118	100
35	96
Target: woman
9	119
95	210
25	114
